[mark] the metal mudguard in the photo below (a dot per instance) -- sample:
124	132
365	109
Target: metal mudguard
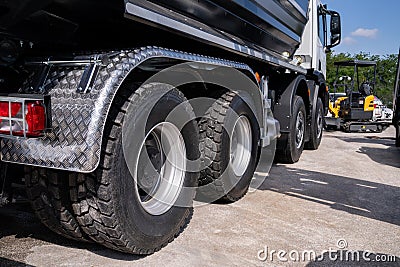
79	117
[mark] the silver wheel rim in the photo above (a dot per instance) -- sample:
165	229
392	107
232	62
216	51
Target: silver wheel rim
160	168
240	148
300	126
319	124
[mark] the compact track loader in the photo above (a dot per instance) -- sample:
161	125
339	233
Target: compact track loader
351	105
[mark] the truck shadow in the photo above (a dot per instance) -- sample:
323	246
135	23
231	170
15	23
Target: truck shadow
19	221
387	141
368	199
10	263
389	155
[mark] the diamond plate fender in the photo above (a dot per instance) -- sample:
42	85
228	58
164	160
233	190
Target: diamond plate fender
79	119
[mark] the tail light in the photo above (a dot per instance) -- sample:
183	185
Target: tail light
5	109
23	117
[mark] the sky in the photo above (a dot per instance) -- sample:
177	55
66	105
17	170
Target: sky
368	25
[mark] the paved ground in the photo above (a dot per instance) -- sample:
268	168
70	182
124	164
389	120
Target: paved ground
349	189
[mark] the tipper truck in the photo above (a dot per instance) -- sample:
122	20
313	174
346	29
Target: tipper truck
88	88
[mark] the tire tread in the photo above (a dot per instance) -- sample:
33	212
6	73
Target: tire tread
94	208
48	192
211	133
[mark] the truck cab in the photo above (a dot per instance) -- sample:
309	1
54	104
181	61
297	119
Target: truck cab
322	32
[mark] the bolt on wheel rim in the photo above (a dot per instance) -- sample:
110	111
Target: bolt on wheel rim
160	168
300	126
240	148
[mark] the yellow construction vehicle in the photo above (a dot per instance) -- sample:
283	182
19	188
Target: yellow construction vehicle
351	105
334	106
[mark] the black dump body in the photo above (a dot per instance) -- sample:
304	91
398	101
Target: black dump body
276	25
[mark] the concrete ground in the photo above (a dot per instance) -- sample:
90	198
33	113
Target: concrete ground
345	195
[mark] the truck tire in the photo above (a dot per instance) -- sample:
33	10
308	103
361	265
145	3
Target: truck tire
111	205
380	128
48	193
316	127
293	148
331	128
229	138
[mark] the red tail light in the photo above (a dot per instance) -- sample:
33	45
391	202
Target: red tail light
375	105
27	118
35	118
5	109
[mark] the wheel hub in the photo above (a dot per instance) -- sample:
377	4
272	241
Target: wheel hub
150	173
300	127
161	166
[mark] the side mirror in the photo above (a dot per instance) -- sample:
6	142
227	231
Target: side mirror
336	29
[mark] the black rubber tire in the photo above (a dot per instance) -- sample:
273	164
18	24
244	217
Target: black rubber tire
346	127
315	138
106	206
397	135
48	193
331	128
217	180
290	153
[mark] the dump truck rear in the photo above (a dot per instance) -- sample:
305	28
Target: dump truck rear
120	112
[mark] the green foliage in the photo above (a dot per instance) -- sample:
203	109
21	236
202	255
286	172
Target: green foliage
385	78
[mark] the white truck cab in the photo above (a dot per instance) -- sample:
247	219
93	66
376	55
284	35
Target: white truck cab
315	43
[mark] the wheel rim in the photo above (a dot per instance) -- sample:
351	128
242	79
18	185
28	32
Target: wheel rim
240	148
300	126
319	124
160	168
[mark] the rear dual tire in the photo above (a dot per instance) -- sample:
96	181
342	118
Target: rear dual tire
117	205
229	138
291	146
48	193
317	127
